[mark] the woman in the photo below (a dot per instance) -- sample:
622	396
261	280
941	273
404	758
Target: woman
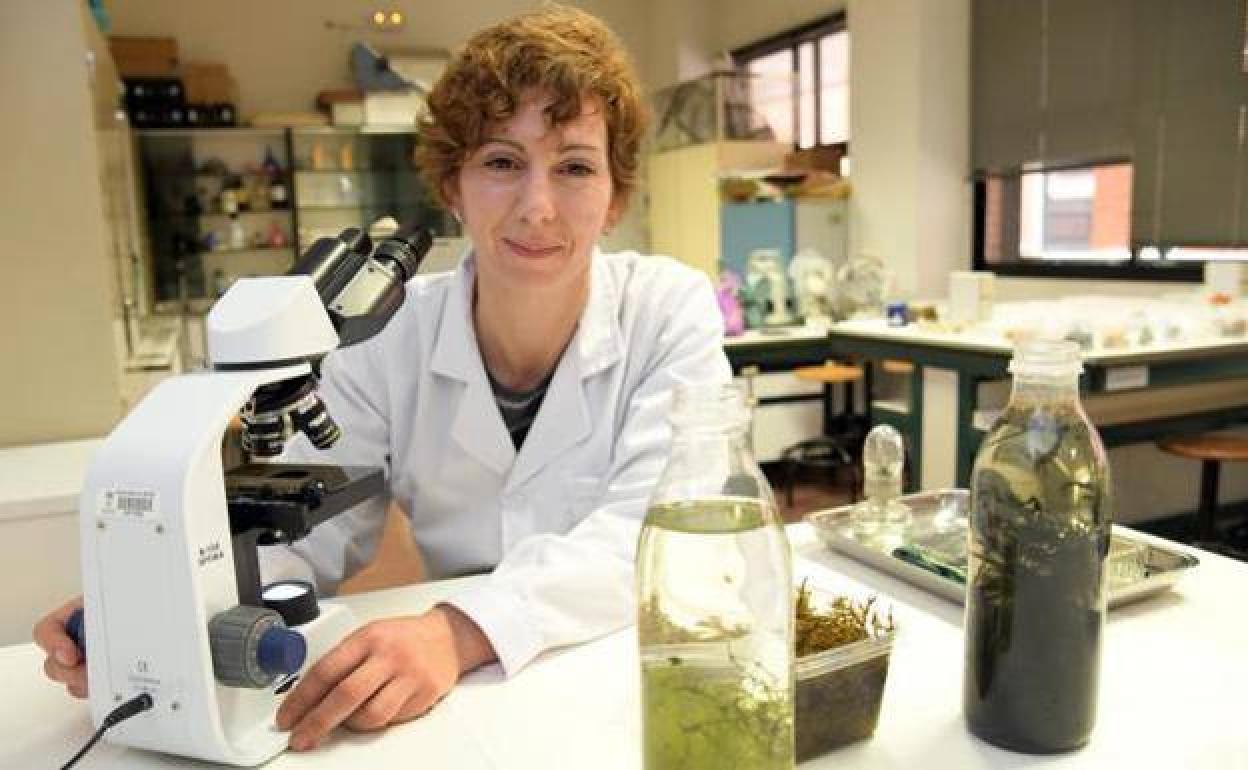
518	404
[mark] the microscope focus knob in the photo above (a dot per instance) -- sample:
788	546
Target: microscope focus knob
251	647
76	629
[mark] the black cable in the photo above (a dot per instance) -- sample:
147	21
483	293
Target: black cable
136	705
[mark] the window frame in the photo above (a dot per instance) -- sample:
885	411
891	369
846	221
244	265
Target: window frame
792	40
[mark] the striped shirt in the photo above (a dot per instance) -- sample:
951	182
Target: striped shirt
518	407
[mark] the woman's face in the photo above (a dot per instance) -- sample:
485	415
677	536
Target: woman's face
534	197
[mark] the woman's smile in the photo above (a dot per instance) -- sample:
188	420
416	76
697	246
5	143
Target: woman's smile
532	249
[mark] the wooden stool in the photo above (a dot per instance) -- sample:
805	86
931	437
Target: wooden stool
1212	450
834	449
896	366
831	374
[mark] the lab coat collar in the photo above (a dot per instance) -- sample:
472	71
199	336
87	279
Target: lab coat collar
564	419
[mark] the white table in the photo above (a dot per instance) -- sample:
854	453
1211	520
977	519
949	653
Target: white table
1174	694
39	488
1133	395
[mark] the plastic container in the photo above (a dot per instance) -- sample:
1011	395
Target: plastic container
839	693
1127	562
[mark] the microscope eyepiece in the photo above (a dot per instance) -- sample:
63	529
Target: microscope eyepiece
405	250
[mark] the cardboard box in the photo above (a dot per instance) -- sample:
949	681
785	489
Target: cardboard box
971	295
347	113
344	105
144	56
209	83
393	108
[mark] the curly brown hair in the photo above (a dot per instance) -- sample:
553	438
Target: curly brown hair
558	50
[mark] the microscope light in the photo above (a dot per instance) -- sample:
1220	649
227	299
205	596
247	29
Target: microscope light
286	590
294	600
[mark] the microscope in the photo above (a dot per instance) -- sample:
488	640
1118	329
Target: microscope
173	606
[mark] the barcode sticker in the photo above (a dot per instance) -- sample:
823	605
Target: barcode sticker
130	503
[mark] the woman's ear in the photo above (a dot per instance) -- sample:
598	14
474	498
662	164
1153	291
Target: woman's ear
450	194
614	213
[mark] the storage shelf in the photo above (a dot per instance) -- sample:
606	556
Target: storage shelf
400	130
231	252
222	215
361	207
232	132
247	250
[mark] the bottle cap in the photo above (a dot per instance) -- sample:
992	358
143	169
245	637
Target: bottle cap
1048	359
883	453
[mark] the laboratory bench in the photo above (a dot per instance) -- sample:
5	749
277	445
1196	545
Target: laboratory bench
39	487
1173	692
789	410
944	418
781	348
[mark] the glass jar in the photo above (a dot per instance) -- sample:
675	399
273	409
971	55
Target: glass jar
715	599
1039	534
881	518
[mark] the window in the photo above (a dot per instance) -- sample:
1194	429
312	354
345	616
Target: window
1079	214
772	96
811	107
1074	222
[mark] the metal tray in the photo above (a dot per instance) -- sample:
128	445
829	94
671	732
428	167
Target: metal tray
938	530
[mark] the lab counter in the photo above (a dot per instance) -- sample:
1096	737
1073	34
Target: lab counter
1174	689
945	396
777	349
39	488
789	409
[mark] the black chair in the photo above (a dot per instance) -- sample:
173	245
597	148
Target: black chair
843	433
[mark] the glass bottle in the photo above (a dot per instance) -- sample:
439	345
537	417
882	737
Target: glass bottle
1039	534
715	599
881	517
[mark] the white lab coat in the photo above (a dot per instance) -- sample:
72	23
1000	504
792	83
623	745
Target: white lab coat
558	521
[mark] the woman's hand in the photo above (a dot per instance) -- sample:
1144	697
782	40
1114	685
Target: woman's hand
64	662
387	672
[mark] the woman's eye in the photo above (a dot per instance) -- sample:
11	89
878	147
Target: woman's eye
501	163
579	169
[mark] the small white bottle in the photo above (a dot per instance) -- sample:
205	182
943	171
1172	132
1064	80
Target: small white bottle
238	236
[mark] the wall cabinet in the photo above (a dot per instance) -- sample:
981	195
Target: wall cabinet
684	201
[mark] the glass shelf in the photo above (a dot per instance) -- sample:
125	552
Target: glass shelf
362	206
247	250
221	215
183	133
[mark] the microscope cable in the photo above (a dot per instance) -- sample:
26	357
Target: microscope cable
136	705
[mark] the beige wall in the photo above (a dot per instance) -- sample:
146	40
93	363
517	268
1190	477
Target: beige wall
910	128
56	349
681	40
